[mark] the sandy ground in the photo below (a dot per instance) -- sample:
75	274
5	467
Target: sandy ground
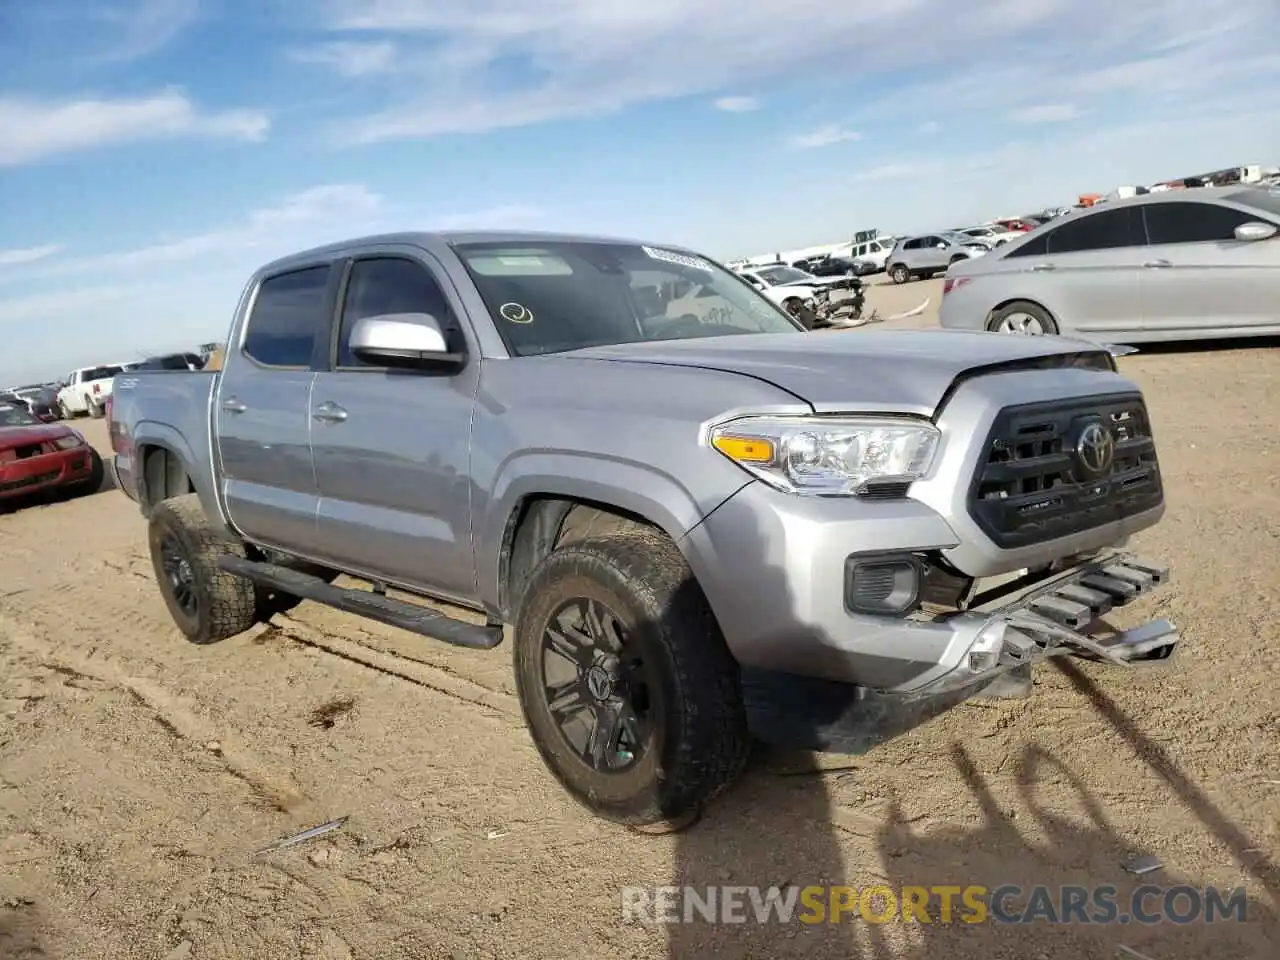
139	774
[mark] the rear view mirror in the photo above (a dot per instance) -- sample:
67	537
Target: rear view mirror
1255	230
402	340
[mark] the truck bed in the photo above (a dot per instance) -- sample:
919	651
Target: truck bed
168	405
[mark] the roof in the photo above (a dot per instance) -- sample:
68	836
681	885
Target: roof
428	239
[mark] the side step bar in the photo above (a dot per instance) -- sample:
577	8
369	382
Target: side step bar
365	603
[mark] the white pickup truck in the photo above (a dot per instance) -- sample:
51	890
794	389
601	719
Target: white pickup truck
86	390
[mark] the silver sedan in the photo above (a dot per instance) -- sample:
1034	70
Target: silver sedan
1178	265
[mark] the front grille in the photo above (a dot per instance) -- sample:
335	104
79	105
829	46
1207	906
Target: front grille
1041	476
32	481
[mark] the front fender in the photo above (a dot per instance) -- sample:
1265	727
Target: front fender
636	488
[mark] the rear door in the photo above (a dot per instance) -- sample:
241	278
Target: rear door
262	410
391	446
935	253
1200	276
1086	271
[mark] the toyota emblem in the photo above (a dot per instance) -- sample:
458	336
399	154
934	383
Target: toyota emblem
1095	449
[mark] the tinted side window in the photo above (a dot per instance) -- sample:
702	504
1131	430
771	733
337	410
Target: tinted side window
1192	222
391	285
1105	230
287	313
913	245
1035	247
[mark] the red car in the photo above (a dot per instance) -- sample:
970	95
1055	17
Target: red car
40	457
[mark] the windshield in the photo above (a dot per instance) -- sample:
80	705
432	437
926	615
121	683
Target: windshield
776	275
556	296
1259	198
12	415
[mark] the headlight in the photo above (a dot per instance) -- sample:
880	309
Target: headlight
67	443
828	456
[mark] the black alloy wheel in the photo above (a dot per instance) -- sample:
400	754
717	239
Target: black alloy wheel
179	576
599	696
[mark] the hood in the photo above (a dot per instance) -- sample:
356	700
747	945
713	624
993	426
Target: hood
35	433
908	371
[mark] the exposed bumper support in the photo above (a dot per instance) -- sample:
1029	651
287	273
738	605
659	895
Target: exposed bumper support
1059	617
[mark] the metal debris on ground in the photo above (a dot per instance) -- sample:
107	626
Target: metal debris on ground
1143	865
305	835
495	834
1128	953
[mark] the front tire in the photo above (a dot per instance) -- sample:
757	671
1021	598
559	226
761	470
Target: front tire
97	473
207	604
643	721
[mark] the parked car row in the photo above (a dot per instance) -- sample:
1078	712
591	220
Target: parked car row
87	390
1176	265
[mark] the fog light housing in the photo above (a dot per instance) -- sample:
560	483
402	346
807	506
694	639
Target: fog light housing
884	585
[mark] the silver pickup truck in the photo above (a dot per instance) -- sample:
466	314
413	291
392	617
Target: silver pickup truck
664	484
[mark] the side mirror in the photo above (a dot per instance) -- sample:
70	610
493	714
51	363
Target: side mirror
942	246
411	340
1255	230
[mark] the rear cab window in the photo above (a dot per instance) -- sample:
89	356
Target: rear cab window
288	314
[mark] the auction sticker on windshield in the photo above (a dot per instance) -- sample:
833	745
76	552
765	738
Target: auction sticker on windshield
683	259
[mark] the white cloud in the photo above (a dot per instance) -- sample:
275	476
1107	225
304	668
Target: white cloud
1045	113
138	28
350	58
490	64
737	104
929	127
16	257
32	129
825	136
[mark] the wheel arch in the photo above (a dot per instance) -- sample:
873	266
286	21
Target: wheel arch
538	523
1010	301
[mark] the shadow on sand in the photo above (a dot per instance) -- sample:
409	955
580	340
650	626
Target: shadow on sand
781	828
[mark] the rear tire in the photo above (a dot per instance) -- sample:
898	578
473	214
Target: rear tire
207	603
898	273
637	645
1025	318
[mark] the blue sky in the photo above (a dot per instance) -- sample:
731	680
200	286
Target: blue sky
153	152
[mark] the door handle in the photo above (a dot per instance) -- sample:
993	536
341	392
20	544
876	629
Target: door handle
232	405
1041	267
1158	264
329	412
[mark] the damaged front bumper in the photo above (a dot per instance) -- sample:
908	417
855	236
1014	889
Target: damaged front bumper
1057	616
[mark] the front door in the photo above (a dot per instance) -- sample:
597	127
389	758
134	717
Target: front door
261	412
391	446
1199	276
